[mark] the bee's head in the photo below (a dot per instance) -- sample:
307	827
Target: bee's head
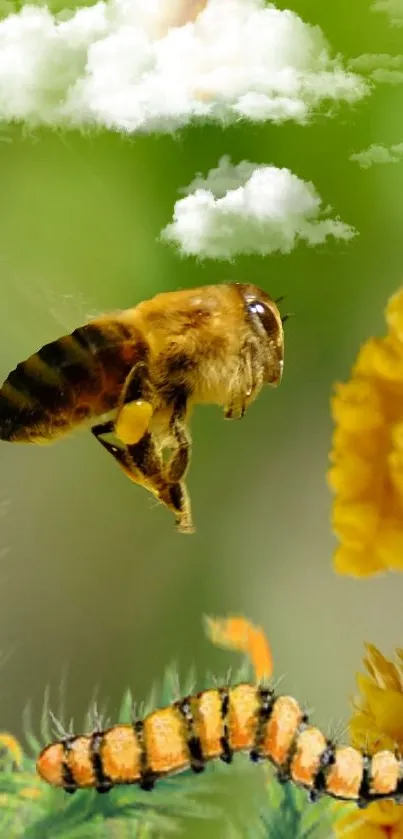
266	322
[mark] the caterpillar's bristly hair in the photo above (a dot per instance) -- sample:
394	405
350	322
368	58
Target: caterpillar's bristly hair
218	723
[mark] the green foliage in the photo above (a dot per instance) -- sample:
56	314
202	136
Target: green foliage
10	7
285	812
290	815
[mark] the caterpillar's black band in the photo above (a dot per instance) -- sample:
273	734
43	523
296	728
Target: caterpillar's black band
69	783
226	751
284	771
102	781
327	760
147	776
266	704
193	742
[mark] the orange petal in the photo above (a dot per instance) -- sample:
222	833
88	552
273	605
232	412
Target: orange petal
239	634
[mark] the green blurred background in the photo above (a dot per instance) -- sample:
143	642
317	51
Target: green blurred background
94	580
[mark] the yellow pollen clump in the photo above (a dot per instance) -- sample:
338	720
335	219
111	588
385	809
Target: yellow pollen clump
133	420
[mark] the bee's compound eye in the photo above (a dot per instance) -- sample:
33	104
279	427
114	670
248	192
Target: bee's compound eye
265	314
257	308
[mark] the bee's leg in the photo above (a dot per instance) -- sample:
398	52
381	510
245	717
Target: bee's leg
177	465
236	407
172	493
176	498
119	454
247	383
135	405
140	462
143	465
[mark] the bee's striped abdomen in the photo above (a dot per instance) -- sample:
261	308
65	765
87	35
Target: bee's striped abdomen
215	724
68	381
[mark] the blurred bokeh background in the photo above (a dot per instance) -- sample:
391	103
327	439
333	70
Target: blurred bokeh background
94	581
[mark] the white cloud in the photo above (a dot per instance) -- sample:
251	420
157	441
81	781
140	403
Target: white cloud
249	209
128	66
378	154
382	68
393	8
387	76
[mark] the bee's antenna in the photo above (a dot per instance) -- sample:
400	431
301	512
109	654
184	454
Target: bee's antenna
279	299
285	317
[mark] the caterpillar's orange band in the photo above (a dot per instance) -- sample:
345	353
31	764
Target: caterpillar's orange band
215	724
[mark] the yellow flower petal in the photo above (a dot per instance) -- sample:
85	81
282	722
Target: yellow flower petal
384	816
365	362
11	746
358	828
389	544
356	563
368	444
356	522
386	813
356	406
381	358
31	793
394	315
346	823
386	707
395	463
351	475
384	671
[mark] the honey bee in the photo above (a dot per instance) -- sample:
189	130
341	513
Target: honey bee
136	374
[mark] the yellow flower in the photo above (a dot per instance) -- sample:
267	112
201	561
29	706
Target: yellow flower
366	475
377	724
10	748
380	821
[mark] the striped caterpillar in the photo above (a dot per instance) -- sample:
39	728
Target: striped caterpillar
215	724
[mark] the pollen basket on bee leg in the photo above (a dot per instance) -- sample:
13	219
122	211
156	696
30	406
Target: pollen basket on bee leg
133	420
